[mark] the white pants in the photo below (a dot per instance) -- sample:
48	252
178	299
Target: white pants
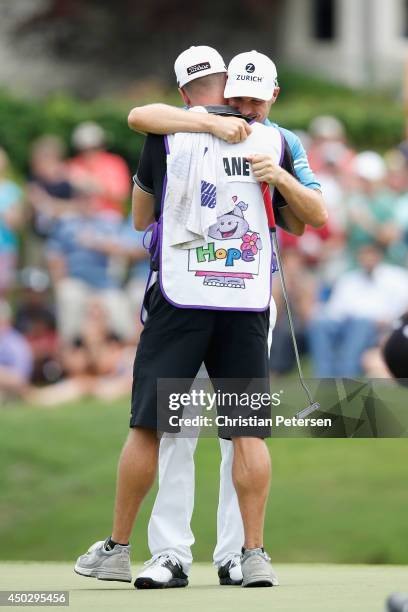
169	527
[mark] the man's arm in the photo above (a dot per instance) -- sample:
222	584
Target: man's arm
11	380
305	203
143	196
56	267
13	216
165	119
115	247
142	208
56	254
289	221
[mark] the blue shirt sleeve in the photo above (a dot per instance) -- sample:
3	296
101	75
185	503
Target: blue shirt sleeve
55	243
303	171
10	194
21	358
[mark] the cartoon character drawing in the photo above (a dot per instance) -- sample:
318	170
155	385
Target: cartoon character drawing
231	226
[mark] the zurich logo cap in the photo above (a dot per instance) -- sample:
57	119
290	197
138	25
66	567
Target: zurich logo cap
251	74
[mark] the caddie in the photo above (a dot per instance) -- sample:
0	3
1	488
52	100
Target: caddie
224	309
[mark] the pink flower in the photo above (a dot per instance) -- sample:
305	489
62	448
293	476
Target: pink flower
251	242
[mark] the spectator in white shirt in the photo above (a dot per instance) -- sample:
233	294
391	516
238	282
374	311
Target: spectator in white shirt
363	304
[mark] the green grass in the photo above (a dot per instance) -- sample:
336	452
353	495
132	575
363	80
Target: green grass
335	501
310	588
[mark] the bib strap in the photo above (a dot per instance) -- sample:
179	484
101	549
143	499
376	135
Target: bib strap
151	242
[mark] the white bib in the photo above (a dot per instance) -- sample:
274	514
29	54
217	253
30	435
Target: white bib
233	271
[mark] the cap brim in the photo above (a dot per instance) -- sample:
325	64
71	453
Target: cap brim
246	90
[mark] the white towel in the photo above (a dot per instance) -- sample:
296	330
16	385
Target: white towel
196	191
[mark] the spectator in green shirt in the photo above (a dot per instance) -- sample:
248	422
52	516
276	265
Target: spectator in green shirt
371	208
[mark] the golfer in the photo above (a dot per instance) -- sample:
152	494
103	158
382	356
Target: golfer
170	531
109	560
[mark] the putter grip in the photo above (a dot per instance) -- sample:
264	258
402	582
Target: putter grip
266	194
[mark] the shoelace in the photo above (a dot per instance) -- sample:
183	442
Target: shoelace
162	559
234	559
95	546
257	552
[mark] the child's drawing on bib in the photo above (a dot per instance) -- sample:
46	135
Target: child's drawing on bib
232	226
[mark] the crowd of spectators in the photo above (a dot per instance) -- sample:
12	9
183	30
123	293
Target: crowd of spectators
73	269
347	282
72	272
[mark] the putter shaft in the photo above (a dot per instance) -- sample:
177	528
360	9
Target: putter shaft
312	406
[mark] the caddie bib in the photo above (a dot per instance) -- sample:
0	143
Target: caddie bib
233	271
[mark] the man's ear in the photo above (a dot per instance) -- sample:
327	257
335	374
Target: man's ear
185	97
276	92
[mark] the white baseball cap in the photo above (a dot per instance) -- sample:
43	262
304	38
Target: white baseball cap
251	74
197	62
327	127
370	166
88	135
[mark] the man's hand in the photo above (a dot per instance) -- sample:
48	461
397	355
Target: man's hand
265	169
305	205
230	129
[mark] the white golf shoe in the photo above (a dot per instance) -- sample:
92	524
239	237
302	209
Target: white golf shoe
163	571
229	571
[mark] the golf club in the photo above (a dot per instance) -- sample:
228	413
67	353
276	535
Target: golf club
266	194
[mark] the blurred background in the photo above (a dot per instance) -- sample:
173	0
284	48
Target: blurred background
73	270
